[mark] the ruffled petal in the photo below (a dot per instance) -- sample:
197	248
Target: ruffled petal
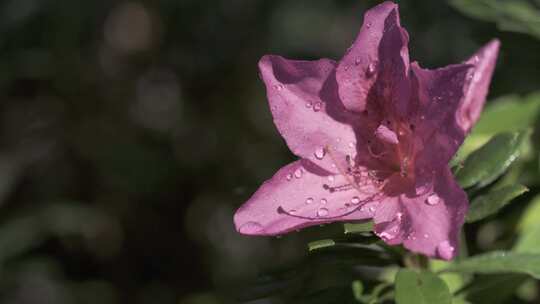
304	105
476	91
427	221
375	68
298	196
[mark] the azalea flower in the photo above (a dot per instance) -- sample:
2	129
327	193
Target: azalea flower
374	134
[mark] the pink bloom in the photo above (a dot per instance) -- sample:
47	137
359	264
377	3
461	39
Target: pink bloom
375	134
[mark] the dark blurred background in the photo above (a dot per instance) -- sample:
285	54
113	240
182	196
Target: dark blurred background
131	130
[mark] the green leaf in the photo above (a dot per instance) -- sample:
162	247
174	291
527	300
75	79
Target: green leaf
490	161
499	262
420	288
358	290
529	229
504	114
488	204
358	227
321	244
531	216
510	15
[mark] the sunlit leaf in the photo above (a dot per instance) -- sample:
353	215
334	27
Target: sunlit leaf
490	161
504	114
321	244
358	227
488	204
423	287
499	262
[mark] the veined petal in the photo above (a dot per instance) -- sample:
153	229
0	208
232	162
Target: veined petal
375	68
302	99
479	79
433	113
427	221
298	196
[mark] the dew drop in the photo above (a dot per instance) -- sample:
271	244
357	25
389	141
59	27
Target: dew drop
322	212
317	106
445	250
309	200
278	87
433	199
323	201
426	236
298	173
357	61
370	69
250	228
355	200
320	153
331	178
289	177
309	105
292	211
351	144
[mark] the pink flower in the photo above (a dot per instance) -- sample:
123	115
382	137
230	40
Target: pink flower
374	134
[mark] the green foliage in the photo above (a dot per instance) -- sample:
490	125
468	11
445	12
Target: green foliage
499	262
351	228
421	287
485	205
510	15
486	164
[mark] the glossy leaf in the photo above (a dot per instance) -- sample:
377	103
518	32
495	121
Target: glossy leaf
488	204
358	227
499	262
321	244
420	288
490	161
504	114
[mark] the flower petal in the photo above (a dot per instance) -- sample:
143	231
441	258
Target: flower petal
303	98
427	222
296	197
480	77
378	58
433	113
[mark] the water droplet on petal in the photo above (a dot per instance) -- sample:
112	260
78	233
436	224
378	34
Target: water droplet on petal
298	173
355	200
368	25
433	199
351	145
426	235
278	87
323	201
292	211
370	69
320	153
289	177
309	105
357	61
322	212
331	178
250	228
309	200
445	250
317	106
